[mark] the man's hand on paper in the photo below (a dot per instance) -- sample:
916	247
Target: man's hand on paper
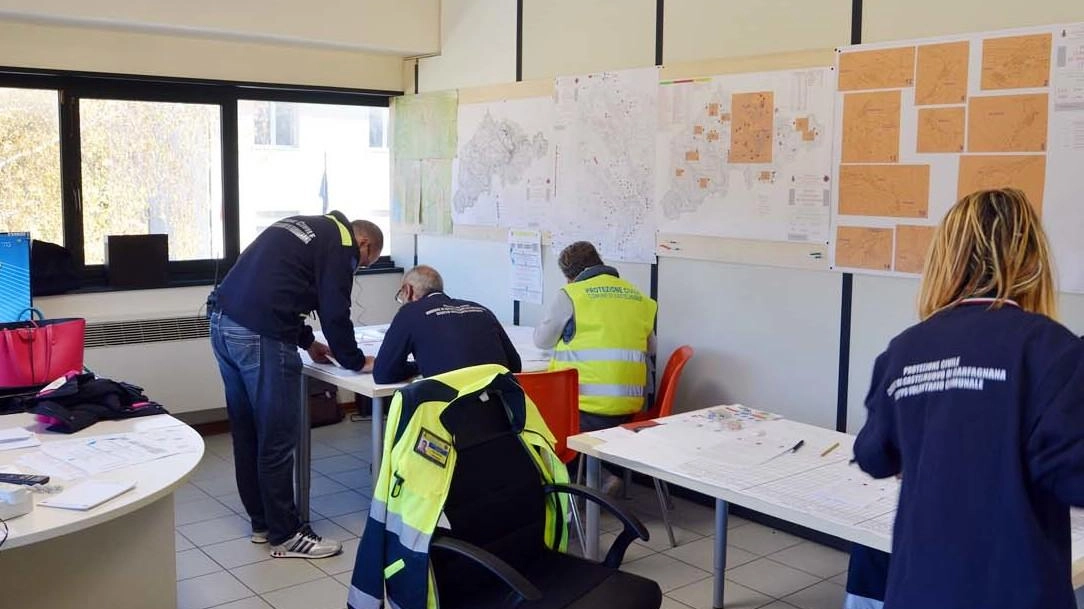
320	353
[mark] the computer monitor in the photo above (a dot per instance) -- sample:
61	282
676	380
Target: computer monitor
14	275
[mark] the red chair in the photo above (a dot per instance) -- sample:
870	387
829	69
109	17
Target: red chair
557	395
664	407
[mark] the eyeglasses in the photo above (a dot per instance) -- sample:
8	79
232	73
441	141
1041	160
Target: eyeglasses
399	296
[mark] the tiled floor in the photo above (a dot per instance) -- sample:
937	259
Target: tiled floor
218	567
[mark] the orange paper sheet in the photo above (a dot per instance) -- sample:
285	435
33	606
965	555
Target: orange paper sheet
1026	172
942	73
1007	123
941	129
864	248
871	127
896	191
912	243
1016	62
882	69
751	130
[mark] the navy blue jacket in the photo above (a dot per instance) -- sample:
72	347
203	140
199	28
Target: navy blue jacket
295	266
443	334
982	411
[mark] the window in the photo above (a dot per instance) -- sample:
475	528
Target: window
330	168
275	124
30	164
85	156
151	168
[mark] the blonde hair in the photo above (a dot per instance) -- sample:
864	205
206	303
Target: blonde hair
990	244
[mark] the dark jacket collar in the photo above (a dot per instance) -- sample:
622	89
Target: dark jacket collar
595	271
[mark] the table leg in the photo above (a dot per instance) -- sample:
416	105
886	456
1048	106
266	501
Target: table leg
594	473
719	568
303	455
378	437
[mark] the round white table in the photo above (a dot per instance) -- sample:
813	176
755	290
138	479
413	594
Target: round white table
119	555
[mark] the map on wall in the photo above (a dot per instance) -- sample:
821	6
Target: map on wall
923	123
605	135
504	173
746	156
423	146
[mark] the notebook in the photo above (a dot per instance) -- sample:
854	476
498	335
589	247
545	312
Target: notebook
88	494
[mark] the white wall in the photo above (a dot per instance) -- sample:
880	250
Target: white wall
766	337
478	46
403	27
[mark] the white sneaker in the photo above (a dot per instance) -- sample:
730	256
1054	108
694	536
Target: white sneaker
258	537
306	544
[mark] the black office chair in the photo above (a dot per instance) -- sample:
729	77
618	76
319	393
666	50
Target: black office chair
494	555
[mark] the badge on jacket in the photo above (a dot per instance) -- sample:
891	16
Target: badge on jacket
433	447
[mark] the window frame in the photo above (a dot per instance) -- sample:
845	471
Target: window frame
72	86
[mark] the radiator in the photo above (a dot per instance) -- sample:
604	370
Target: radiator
169	358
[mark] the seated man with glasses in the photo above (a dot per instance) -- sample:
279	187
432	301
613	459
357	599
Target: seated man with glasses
442	333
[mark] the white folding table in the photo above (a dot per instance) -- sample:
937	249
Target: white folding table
681	453
370	338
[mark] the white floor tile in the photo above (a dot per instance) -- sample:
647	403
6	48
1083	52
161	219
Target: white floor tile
669	573
344	578
210	591
840	579
328	528
636	550
342	563
188	493
701	554
771	578
252	602
194	563
825	595
181	543
353	522
694	517
337	504
217	530
276	574
360	480
813	558
216	487
735	596
659	541
198	511
325	593
760	540
320	450
322	485
233	501
238	552
212	466
669	603
780	605
334	465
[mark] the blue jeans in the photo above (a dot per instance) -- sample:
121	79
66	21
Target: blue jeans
263	380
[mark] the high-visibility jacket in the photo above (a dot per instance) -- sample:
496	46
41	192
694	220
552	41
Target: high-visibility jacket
415	475
608	344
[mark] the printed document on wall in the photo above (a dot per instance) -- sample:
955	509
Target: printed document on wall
747	156
504	173
525	250
605	134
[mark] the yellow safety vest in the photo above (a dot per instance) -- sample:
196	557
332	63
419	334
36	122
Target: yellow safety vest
415	476
613	321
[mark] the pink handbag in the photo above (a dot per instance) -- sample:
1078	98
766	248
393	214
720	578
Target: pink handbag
35	352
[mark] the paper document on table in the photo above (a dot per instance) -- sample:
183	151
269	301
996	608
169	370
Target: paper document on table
1076	524
839	492
159	421
331	369
175	440
882	525
97	454
367	333
525	250
87	495
41	463
17	437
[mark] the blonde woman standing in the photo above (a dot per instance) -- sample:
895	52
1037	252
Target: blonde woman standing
980	407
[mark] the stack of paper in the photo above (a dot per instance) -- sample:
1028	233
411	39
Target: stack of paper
17	437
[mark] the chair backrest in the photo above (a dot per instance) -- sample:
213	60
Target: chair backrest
496	500
664	400
557	395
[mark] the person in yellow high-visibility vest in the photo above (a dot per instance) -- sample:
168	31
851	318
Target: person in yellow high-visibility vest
602	326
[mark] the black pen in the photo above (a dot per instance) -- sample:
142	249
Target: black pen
800	444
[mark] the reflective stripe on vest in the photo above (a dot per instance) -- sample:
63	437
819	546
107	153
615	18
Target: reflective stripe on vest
613	321
592	355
